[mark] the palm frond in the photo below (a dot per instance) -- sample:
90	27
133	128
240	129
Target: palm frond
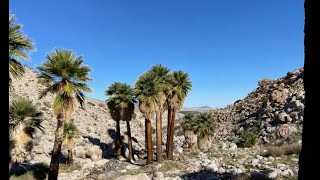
205	124
65	75
24	111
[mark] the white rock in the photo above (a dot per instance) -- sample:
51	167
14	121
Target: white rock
221	170
101	162
233	147
287	172
212	167
134	177
158	176
254	162
272	174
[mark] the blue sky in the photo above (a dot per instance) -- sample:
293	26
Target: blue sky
226	46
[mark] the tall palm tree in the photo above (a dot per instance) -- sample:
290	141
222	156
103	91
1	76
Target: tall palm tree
70	132
147	92
176	94
64	75
24	119
309	154
19	44
160	74
121	104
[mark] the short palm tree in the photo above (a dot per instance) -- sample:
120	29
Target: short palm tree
188	124
64	75
147	92
160	74
176	93
70	132
205	127
19	44
121	104
24	119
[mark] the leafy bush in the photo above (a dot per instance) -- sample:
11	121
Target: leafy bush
248	139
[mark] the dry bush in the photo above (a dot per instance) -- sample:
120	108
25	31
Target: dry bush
294	148
277	151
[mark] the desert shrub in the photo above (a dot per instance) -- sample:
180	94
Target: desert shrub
277	151
294	148
247	139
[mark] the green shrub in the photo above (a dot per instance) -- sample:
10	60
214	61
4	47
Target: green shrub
248	139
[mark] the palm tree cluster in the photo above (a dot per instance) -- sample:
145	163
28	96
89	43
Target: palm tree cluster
202	125
155	91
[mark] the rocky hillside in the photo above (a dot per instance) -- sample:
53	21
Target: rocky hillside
273	111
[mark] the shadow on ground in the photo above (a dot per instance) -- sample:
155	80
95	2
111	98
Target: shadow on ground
37	171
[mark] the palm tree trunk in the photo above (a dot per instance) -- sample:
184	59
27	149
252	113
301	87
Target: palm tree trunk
54	164
149	142
168	130
118	148
70	157
129	141
146	135
309	153
159	136
170	148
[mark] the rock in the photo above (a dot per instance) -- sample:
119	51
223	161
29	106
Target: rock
101	162
287	172
212	166
134	177
94	152
38	149
254	162
158	176
272	174
283	130
80	153
277	96
221	170
233	147
264	82
283	117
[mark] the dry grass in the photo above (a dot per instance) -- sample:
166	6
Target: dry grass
277	151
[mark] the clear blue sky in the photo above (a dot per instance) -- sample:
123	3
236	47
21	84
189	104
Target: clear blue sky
226	46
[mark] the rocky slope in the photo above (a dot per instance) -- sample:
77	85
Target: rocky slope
274	105
274	111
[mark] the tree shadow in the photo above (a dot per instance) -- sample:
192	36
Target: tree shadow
209	175
38	171
105	147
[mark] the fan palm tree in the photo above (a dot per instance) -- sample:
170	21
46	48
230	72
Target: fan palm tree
204	127
188	124
24	119
160	74
64	75
70	132
19	44
121	104
176	93
147	92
